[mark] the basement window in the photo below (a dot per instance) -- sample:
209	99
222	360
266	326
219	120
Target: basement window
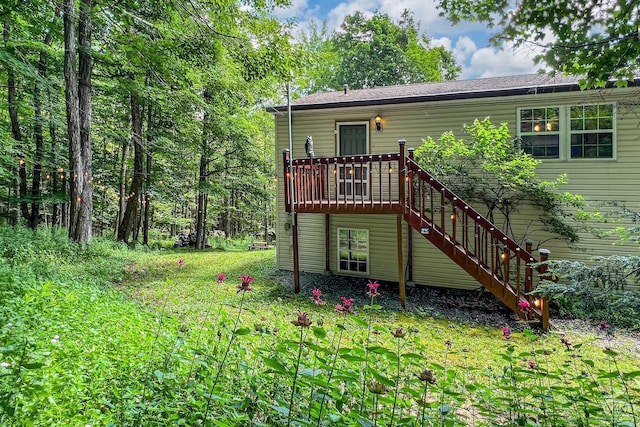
353	250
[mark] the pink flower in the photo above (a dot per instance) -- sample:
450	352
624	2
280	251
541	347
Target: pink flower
506	332
246	282
373	289
180	262
316	296
302	320
532	364
221	278
346	306
524	305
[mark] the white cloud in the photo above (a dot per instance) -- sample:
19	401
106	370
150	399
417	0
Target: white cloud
464	40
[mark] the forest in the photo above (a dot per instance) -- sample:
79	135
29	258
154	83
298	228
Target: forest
151	118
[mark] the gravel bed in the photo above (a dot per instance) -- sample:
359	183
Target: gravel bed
477	307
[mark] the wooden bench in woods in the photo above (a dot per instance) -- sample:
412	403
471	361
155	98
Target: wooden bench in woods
259	246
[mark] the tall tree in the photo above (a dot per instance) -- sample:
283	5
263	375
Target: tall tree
375	51
78	99
595	38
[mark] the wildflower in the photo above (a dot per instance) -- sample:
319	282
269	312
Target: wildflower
376	387
603	326
180	262
4	365
532	364
316	296
399	333
506	333
427	376
373	289
55	339
346	306
449	344
566	343
246	282
221	277
524	305
302	320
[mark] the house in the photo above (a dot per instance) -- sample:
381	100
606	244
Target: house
358	205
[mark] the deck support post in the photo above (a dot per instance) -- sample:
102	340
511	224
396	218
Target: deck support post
409	227
296	258
544	304
401	280
402	168
327	244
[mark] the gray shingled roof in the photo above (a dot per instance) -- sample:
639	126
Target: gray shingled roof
456	89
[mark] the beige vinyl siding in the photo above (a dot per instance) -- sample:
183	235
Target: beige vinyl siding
597	180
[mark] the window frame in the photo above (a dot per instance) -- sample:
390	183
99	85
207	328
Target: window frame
349	259
565	132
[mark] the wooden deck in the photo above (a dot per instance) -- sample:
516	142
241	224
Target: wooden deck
395	184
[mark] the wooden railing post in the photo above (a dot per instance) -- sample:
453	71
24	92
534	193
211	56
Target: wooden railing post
286	177
543	303
402	164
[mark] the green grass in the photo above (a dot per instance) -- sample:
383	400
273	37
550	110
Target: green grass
109	336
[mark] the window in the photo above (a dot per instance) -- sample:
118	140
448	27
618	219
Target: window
353	180
568	132
353	250
540	132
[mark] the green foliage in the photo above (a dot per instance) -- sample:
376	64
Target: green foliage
488	167
189	351
606	288
597	39
370	52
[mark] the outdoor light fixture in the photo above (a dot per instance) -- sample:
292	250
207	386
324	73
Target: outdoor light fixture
378	121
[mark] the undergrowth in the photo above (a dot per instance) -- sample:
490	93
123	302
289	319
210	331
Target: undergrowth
108	336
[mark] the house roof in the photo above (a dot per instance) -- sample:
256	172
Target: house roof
456	89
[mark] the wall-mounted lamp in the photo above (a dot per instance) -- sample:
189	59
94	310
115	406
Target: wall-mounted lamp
378	121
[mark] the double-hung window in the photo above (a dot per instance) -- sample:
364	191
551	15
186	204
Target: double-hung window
353	250
568	132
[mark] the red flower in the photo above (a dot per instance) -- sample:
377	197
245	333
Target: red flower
603	326
399	333
316	296
532	364
180	262
373	289
221	278
246	282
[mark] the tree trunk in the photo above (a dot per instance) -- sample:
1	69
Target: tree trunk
39	137
147	198
16	132
78	98
131	212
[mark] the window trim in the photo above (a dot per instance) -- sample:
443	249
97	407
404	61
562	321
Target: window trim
355	122
368	251
565	132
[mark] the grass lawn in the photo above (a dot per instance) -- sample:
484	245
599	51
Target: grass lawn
109	336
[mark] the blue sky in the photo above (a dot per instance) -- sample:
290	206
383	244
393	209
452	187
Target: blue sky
467	41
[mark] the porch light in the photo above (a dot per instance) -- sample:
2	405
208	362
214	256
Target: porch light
453	216
378	121
537	302
537	127
390	168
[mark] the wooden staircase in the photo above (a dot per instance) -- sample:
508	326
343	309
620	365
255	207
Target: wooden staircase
474	243
364	184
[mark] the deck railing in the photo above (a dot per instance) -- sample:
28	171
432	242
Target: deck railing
362	183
